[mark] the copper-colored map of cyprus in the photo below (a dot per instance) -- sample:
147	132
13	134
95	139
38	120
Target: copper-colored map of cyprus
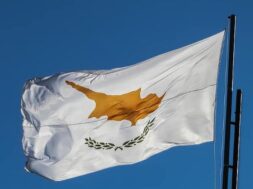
129	106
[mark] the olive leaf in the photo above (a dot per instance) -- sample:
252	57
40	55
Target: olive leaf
127	144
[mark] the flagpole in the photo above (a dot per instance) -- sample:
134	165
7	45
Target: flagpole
229	101
236	139
229	123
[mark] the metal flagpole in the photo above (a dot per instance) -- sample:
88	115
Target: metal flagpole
229	101
229	123
236	139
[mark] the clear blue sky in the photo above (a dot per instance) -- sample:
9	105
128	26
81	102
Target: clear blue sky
39	38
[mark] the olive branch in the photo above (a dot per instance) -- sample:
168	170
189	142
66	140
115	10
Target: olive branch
130	143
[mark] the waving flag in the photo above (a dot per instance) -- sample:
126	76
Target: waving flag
81	122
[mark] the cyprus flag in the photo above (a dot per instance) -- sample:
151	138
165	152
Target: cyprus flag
81	122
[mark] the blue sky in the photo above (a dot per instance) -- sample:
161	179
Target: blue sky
39	38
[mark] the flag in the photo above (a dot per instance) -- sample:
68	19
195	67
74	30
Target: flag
80	122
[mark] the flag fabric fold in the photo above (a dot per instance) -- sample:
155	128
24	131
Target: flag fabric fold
80	122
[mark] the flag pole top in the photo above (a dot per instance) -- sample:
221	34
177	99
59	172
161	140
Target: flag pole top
232	15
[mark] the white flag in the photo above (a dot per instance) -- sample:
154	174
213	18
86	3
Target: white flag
81	122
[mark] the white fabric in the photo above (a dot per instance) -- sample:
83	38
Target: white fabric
56	119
